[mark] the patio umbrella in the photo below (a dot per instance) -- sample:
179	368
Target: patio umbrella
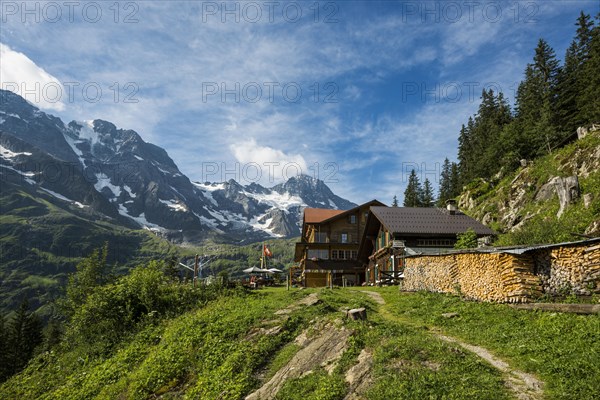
274	270
255	270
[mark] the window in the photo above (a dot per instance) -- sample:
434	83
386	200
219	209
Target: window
353	219
343	254
344	238
435	243
320	237
319	254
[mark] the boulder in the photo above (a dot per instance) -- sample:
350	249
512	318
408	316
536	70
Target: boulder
546	192
567	190
593	229
582	132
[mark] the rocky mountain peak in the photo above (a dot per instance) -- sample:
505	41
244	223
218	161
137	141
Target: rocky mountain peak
137	182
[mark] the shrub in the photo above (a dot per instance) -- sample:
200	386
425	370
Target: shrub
466	240
112	311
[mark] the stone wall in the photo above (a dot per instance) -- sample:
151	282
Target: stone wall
508	277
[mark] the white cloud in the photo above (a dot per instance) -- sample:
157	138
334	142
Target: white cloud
19	74
368	133
273	164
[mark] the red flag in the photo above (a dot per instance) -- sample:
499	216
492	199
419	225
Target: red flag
266	251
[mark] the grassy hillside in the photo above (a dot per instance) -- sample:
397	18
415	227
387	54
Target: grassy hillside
41	242
524	210
226	344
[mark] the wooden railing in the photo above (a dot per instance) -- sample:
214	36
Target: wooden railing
390	277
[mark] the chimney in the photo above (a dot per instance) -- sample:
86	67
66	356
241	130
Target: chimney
451	206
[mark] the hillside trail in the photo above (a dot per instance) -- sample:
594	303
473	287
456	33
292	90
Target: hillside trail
523	385
321	345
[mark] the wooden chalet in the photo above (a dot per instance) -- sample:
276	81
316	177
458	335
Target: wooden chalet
327	253
391	233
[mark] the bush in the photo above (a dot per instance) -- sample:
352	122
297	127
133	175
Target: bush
466	240
112	311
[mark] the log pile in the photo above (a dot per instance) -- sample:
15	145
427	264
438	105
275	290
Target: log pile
573	270
430	273
507	277
518	279
478	276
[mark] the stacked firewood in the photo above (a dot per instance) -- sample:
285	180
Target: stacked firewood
591	278
518	278
574	270
478	276
431	273
508	277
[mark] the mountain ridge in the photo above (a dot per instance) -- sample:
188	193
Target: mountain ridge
142	186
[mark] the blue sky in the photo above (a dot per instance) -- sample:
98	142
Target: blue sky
355	93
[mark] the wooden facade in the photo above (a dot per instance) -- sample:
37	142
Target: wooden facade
392	233
327	253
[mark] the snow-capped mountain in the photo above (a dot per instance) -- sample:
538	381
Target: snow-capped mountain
101	171
276	211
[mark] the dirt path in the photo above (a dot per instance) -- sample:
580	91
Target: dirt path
525	386
376	297
321	349
321	345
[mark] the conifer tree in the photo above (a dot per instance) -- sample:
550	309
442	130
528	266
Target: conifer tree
536	106
25	335
572	82
445	187
455	186
465	152
395	201
589	101
412	193
427	199
480	142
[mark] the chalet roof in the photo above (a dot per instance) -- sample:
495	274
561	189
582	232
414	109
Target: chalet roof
320	215
368	204
427	220
316	215
420	222
527	248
